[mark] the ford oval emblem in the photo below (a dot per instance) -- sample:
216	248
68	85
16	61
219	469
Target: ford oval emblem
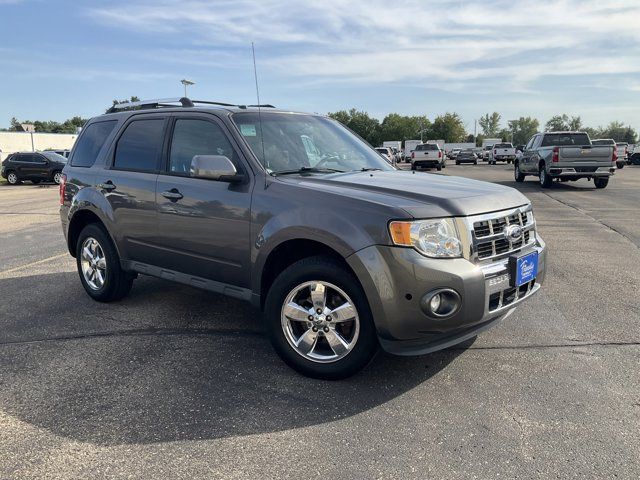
513	233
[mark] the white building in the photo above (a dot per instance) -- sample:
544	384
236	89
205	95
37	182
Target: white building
11	142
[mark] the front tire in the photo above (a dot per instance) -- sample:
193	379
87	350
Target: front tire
601	182
519	176
98	265
12	178
319	320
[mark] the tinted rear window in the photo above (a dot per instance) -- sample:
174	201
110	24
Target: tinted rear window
139	146
427	146
503	145
603	142
565	139
90	142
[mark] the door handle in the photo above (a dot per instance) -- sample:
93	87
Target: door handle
108	186
172	194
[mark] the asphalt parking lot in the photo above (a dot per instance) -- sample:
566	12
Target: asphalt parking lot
174	382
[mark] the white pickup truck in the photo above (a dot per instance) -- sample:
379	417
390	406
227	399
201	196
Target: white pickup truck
502	151
427	155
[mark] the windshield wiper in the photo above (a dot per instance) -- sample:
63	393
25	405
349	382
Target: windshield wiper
368	169
307	170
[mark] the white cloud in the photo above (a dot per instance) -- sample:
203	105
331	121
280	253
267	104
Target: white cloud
437	42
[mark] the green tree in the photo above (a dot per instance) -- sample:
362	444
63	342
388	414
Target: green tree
564	122
447	127
504	134
361	123
523	129
400	127
490	124
619	132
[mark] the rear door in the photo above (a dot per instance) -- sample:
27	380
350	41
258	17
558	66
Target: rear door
129	185
204	225
528	162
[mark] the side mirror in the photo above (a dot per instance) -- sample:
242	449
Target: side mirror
214	167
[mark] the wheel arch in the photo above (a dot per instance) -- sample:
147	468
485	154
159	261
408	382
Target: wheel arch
287	253
79	220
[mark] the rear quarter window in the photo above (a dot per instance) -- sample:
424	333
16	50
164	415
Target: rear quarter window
91	142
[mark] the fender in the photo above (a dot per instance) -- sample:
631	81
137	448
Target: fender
91	199
332	230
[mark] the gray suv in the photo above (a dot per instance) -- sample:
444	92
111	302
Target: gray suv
296	214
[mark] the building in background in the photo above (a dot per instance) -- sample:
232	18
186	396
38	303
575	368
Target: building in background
11	142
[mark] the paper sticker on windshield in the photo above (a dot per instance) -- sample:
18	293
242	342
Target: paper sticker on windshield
248	130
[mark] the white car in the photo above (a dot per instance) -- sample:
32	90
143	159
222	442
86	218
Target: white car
388	154
427	155
502	151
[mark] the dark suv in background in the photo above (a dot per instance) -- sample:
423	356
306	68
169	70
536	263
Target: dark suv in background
34	166
296	214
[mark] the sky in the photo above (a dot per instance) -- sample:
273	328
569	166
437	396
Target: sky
519	58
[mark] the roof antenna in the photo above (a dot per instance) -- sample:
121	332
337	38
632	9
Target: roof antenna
255	75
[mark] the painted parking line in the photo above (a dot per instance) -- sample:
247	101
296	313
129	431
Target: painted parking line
44	260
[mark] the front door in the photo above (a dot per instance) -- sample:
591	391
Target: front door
203	224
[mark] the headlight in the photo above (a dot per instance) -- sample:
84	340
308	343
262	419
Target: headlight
437	238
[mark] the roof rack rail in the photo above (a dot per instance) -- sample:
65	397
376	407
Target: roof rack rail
167	102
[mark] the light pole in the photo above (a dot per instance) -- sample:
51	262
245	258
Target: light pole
186	82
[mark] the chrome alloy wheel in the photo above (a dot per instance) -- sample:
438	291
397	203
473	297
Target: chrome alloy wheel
12	178
320	321
94	265
57	177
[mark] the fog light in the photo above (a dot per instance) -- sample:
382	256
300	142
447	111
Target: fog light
434	304
441	303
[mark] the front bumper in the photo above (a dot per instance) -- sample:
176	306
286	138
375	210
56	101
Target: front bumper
395	279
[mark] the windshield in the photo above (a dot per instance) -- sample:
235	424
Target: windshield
298	141
55	157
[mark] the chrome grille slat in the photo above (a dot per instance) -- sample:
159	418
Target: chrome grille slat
489	243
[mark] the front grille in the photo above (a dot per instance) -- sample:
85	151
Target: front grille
509	295
489	241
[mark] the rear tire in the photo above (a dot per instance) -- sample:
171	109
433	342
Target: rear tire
57	177
99	268
413	167
439	168
457	163
620	165
320	359
545	179
601	182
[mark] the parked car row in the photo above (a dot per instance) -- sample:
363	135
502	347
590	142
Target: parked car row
35	167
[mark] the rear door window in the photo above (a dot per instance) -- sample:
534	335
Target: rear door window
90	143
140	146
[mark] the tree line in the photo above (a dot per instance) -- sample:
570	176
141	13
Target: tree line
451	128
70	125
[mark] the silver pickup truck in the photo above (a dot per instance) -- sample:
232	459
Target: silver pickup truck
566	156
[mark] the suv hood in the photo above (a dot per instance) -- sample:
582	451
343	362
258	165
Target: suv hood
421	195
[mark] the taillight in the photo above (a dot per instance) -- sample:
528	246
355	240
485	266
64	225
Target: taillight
413	154
63	182
439	154
614	157
556	154
495	152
